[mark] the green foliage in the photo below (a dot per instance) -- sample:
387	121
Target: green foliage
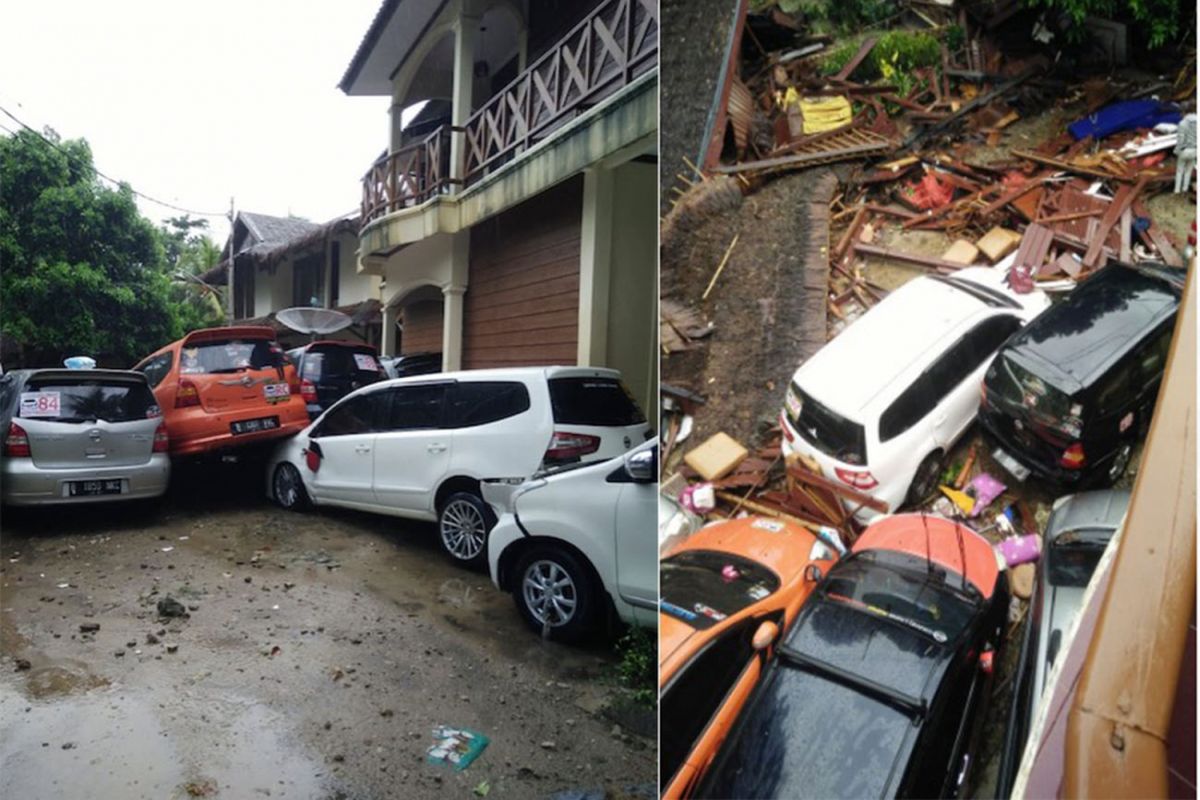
1160	18
638	669
892	60
83	271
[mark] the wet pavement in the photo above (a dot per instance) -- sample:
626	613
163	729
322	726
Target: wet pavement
318	653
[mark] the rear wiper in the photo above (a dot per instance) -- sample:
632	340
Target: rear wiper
913	706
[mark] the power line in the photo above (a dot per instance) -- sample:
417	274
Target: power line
113	181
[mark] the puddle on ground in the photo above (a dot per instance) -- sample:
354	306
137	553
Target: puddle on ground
109	745
64	677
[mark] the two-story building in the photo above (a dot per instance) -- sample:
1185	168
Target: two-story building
513	216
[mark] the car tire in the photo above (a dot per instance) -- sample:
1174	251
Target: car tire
1120	462
288	488
554	574
925	479
464	522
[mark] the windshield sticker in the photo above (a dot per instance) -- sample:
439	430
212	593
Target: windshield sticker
276	390
772	525
153	412
1126	422
709	612
758	592
936	635
40	404
676	611
729	573
191	361
366	361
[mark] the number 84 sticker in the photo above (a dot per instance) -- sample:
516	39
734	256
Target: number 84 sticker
40	404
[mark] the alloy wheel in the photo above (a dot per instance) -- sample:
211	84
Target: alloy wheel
463	530
1120	462
549	593
288	486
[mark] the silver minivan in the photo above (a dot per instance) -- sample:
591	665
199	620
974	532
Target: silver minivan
79	436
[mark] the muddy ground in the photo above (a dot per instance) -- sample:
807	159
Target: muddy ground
318	654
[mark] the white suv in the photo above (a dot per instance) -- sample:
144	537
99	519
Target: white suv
879	406
579	544
418	447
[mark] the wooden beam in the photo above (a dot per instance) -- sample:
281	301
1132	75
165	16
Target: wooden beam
865	50
1120	204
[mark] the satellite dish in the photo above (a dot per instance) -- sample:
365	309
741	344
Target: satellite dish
313	320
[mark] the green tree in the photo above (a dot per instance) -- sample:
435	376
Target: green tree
81	271
1161	18
189	254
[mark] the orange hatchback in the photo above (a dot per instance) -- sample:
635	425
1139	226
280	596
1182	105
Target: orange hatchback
220	388
726	594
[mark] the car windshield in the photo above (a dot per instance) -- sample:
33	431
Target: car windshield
593	401
87	401
1022	390
875	586
703	587
1073	556
825	429
230	355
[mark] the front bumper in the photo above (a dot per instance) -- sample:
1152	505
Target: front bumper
25	484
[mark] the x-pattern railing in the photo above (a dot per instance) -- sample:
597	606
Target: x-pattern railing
407	177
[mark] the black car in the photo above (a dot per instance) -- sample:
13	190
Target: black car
412	364
330	370
878	687
1068	397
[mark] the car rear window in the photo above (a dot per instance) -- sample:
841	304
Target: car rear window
87	401
481	402
825	429
1021	390
593	401
230	355
703	587
341	362
1073	557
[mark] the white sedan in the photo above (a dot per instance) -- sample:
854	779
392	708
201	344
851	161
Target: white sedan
580	544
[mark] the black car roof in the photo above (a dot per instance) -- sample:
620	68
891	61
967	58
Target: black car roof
1074	341
807	734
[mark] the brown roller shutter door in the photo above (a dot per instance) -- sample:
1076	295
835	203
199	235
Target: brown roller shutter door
522	302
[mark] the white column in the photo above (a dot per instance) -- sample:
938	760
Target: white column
452	327
466	31
595	267
387	347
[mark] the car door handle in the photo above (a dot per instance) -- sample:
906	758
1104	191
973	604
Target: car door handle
363	448
436	448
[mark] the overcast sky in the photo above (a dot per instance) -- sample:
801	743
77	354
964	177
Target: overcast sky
194	103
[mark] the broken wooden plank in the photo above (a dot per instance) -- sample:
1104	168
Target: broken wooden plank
1155	236
1035	245
927	262
865	50
1120	203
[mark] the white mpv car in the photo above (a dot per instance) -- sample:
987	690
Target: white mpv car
418	447
879	406
577	545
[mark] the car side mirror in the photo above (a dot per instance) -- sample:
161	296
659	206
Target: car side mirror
764	636
642	466
812	573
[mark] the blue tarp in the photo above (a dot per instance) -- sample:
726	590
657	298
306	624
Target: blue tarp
1124	116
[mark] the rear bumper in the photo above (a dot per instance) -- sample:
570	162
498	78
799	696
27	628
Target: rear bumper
1052	473
209	433
24	484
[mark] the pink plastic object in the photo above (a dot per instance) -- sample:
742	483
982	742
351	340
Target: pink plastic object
698	498
1021	549
984	488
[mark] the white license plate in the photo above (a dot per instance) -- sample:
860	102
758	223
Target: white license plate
253	425
88	488
1011	464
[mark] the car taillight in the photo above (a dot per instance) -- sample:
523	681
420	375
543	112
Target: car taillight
987	661
308	391
858	479
1072	457
565	445
161	440
312	458
16	442
787	431
187	394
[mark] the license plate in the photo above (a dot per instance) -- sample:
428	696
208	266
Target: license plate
276	390
78	488
254	425
1011	464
